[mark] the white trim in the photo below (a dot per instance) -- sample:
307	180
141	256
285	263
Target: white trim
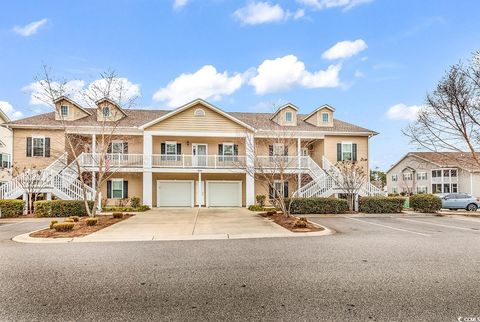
68	111
117	179
171	143
282	108
98	102
207	190
199	112
43	146
193	103
230	144
192	190
318	109
61	98
205	134
291	117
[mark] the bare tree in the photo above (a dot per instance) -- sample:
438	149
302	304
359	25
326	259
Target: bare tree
350	177
450	120
30	180
109	89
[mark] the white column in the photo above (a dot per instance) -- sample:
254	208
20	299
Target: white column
200	194
250	164
299	156
49	196
94	150
147	170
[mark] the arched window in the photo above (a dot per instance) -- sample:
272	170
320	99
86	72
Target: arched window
199	112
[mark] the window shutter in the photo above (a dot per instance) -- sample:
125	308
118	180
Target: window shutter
162	148
109	189
125	147
125	189
29	147
179	148
354	152
339	151
220	149
235	149
47	147
285	189
271	192
109	149
270	150
285	150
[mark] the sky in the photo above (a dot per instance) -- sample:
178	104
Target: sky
373	60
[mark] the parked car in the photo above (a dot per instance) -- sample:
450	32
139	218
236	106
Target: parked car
459	201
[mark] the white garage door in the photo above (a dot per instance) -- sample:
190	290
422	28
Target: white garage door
224	193
174	193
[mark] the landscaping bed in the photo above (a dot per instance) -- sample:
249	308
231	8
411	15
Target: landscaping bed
292	223
80	228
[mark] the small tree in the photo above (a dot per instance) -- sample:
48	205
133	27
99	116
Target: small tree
31	180
350	177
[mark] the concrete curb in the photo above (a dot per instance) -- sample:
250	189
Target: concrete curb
25	238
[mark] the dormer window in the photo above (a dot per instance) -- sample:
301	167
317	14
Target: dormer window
288	117
325	118
106	111
64	111
199	112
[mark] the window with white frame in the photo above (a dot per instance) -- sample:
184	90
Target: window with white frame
64	111
38	146
395	190
436	188
278	149
117	188
228	148
453	173
106	111
288	116
278	185
117	146
436	173
325	118
407	176
454	187
347	151
170	147
421	189
5	160
394	177
421	176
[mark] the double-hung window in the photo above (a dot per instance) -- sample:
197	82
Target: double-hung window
288	117
117	188
171	150
38	146
325	118
407	176
347	152
228	151
421	176
5	160
394	177
117	147
421	189
64	111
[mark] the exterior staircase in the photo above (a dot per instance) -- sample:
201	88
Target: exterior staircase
323	184
58	178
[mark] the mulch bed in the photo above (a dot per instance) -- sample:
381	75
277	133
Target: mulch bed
80	229
289	223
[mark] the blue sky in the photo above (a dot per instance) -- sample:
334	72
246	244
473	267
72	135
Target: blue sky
361	56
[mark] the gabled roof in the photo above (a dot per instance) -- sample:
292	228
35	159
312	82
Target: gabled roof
61	98
106	99
463	160
282	108
318	109
193	103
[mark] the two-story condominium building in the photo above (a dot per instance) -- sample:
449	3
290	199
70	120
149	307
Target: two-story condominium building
195	155
5	149
435	172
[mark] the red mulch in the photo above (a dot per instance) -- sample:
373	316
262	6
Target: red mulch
80	229
289	223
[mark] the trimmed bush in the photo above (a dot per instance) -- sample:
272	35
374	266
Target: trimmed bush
378	205
135	202
261	200
11	208
74	218
126	209
117	215
91	221
317	205
61	208
63	226
255	208
426	203
53	222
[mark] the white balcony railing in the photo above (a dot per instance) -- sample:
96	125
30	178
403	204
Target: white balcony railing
198	161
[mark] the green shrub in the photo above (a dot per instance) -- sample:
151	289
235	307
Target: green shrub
63	226
135	202
74	218
53	222
261	200
117	215
427	203
255	208
142	208
126	209
11	208
317	205
61	208
378	205
91	221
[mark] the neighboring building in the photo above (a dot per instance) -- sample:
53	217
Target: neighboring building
435	172
5	149
188	156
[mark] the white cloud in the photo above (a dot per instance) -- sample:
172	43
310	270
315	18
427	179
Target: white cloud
205	83
359	73
8	109
29	29
259	12
403	112
345	49
326	4
120	89
177	4
284	72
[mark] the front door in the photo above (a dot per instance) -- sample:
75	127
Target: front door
199	155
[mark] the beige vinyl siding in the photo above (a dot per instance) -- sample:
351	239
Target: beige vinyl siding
57	147
74	113
261	186
280	117
135	187
187	121
115	113
262	146
330	148
317	118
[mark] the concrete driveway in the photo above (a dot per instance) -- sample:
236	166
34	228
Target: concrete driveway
190	223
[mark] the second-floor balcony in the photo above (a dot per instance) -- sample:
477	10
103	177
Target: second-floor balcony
183	161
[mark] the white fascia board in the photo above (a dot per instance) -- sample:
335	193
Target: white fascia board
199	134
